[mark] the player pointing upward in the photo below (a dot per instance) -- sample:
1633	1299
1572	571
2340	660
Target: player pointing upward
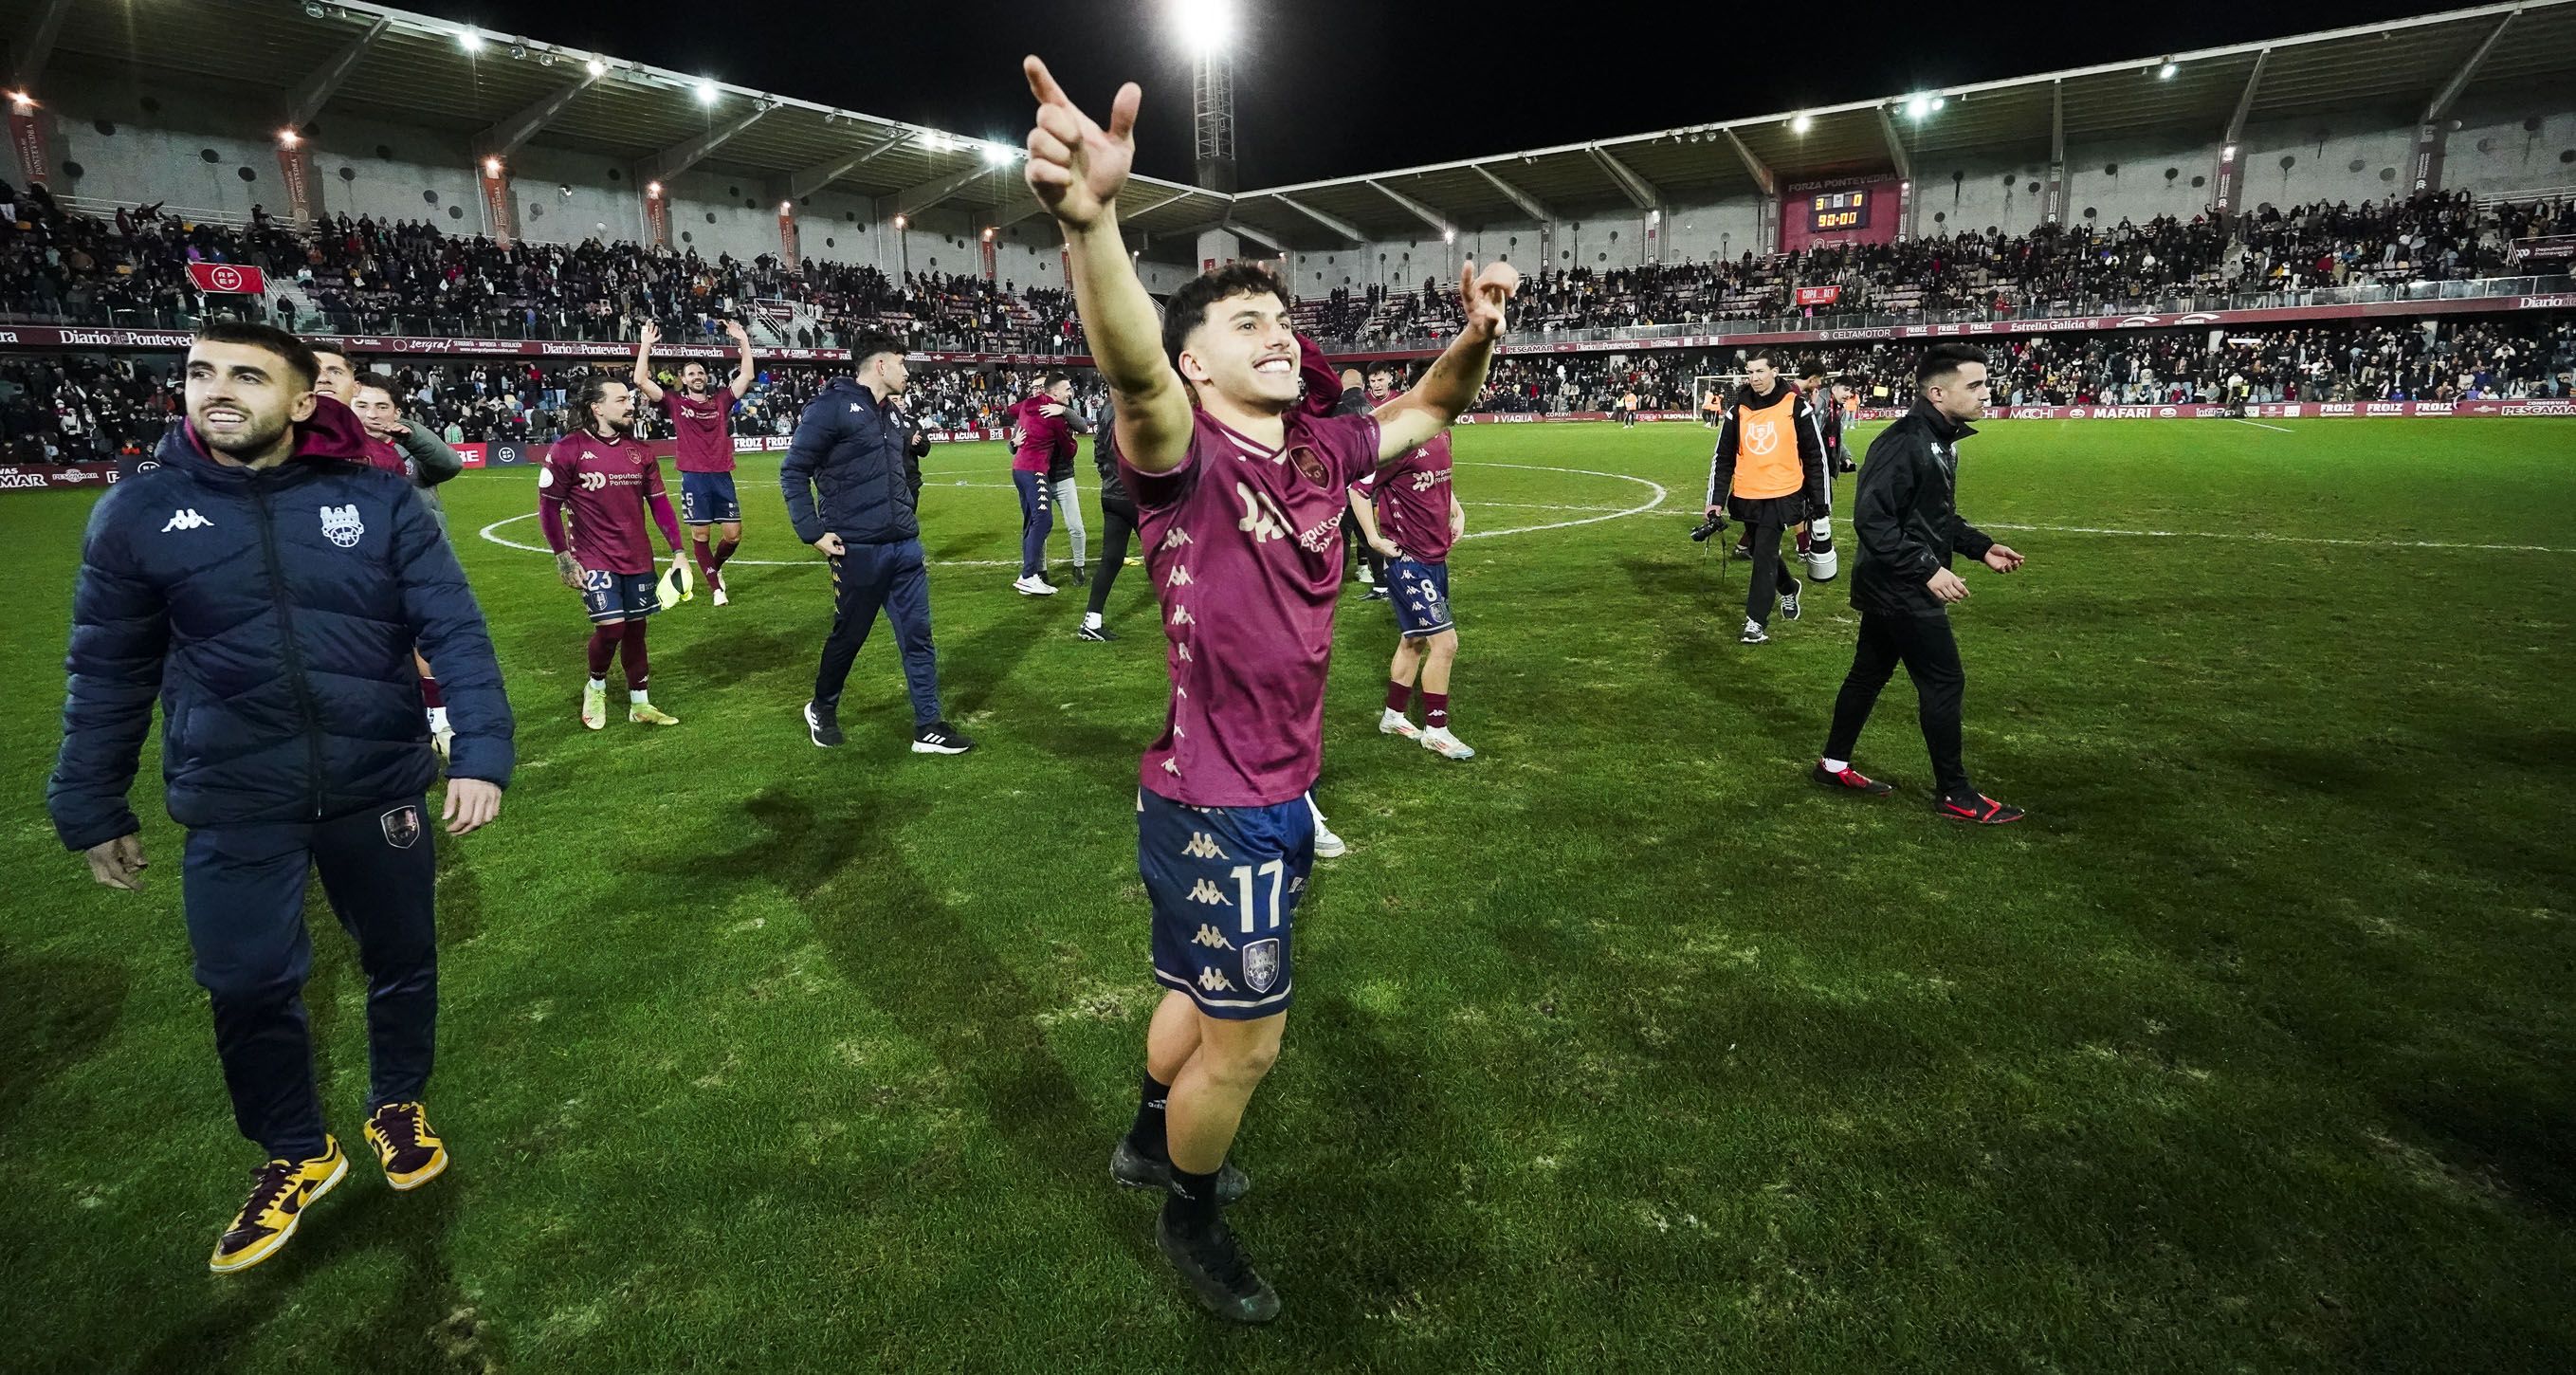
1242	500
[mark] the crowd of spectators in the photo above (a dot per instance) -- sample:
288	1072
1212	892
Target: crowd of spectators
368	276
85	407
2057	269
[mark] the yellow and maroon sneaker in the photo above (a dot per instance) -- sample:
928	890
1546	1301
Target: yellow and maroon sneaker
411	1153
280	1191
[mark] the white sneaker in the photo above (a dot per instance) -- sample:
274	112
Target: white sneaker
1397	723
1444	744
1329	845
720	598
1033	587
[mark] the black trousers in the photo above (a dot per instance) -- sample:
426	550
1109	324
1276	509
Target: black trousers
1117	524
1930	653
244	893
1769	579
1367	557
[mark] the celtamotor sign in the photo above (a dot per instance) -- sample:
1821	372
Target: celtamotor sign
228	278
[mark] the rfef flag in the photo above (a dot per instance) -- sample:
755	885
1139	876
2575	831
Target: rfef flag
228	278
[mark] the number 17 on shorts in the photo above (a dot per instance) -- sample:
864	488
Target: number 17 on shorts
1225	882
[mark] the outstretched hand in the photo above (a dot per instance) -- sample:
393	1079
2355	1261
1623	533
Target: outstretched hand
1076	168
1483	294
650	335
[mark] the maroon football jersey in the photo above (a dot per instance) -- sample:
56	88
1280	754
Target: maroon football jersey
1245	546
607	485
701	426
1412	500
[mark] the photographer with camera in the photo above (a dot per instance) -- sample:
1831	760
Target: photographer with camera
1769	472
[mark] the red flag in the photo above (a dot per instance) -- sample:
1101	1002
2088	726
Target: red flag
228	278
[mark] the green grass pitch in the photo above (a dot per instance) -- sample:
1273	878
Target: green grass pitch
1617	1048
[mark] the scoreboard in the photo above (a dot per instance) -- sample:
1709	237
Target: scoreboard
1838	210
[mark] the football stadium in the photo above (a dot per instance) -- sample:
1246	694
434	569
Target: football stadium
1994	794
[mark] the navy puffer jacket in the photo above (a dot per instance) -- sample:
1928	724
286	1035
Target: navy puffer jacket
274	614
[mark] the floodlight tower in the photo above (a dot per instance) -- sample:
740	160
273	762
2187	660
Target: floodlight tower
1206	28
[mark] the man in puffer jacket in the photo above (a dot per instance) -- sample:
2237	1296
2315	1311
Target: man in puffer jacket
269	586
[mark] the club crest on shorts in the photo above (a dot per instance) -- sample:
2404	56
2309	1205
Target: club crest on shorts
1306	462
341	523
402	826
1261	964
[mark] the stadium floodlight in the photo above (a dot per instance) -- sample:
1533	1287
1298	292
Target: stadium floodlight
1939	100
988	233
21	99
1448	236
995	154
1799	123
491	167
597	67
900	221
469	40
653	188
706	93
2166	72
288	138
1206	26
1917	107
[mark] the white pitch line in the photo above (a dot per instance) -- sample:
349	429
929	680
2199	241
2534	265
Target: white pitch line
490	532
2261	538
2276	429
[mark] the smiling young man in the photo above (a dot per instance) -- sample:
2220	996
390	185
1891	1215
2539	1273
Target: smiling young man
702	431
1242	498
607	482
267	584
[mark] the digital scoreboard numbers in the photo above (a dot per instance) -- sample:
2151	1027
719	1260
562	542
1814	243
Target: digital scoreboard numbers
1837	210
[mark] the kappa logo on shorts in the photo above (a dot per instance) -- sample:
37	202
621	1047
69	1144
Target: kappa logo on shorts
1212	938
1214	982
1209	893
401	826
1202	846
1261	964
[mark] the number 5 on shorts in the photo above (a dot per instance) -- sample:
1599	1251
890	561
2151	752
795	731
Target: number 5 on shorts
1243	873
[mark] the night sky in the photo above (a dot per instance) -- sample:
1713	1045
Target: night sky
1327	88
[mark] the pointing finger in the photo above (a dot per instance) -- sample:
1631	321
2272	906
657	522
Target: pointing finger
1042	82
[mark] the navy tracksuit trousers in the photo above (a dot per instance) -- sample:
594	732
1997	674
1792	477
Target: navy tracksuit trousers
869	578
244	889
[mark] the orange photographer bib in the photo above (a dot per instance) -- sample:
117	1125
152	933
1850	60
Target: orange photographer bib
1766	446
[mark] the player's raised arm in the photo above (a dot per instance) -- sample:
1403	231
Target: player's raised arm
744	375
1076	169
1449	389
643	376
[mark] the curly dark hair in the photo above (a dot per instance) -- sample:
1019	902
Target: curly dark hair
1189	306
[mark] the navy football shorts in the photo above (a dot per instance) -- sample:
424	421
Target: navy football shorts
1420	598
708	498
1225	882
618	596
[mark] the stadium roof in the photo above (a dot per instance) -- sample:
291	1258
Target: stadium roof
2404	71
505	91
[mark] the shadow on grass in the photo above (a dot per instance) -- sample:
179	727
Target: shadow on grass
423	1324
54	1013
